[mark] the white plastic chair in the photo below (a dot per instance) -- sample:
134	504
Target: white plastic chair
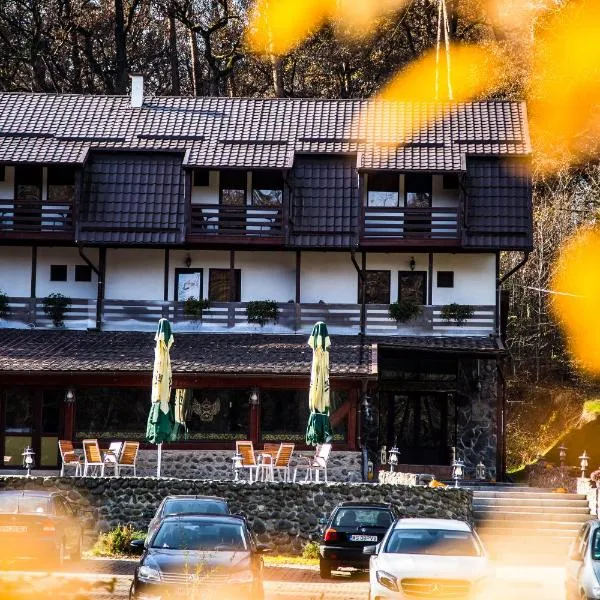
315	464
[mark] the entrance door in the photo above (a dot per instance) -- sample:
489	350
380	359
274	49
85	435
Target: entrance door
423	427
30	418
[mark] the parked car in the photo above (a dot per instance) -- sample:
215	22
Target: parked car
428	558
214	553
172	505
38	525
350	527
582	578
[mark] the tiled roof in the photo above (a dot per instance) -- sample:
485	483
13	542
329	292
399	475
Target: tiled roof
61	351
255	133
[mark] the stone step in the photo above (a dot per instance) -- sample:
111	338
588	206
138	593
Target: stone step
528	494
529	525
508	503
534	514
527	536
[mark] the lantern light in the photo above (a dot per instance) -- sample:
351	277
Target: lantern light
237	460
458	471
480	471
28	455
584	461
393	457
254	397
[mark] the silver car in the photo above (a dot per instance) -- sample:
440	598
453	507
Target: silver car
583	568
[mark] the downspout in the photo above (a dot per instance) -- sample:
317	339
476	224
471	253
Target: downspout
501	280
99	272
520	264
363	280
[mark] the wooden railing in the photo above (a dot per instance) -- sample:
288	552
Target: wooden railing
35	217
218	220
411	223
125	315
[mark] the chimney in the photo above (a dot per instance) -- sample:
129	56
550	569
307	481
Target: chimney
137	90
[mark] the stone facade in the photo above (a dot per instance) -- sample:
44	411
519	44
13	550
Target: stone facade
476	421
282	515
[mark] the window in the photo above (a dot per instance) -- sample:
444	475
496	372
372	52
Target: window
377	286
418	190
188	284
58	272
201	177
412	285
61	184
382	190
267	188
219	285
2	173
233	188
450	182
445	279
83	273
28	184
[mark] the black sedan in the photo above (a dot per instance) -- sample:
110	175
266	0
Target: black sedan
179	505
38	525
200	555
351	527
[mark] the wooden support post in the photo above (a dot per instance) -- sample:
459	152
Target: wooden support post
33	293
430	280
232	290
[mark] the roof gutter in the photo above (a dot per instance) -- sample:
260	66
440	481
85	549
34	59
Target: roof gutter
518	266
99	270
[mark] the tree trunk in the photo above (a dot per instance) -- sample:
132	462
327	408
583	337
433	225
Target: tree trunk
173	56
121	73
196	70
277	71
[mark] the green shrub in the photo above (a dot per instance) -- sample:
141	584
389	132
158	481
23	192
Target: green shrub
193	307
117	541
4	308
55	307
262	311
311	550
458	314
404	310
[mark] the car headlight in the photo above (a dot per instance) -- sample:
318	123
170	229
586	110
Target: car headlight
387	581
242	577
148	574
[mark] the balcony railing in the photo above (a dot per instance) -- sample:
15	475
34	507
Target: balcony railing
142	315
210	220
35	217
411	223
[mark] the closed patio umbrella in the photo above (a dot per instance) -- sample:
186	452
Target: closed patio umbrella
318	430
161	421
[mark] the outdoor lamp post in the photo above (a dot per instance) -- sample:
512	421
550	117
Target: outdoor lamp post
237	464
562	455
458	470
584	461
28	455
480	471
393	458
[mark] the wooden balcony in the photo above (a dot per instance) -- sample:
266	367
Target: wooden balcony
233	224
36	220
341	319
403	226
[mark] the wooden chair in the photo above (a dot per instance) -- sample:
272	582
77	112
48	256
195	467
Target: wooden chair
92	458
128	457
281	463
271	449
316	463
246	449
68	457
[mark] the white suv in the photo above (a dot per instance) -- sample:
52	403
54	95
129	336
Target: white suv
428	558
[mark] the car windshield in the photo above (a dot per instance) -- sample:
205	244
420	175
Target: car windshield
199	535
596	545
23	504
194	505
439	542
363	517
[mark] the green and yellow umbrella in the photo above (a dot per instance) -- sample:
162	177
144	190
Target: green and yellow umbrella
161	420
318	430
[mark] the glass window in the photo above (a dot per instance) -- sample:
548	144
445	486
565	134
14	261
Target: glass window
377	288
217	415
450	182
195	505
412	285
201	177
200	535
445	279
418	190
50	408
219	285
437	542
112	413
83	273
366	517
28	184
61	184
58	272
233	187
2	173
383	190
188	284
267	188
18	412
596	545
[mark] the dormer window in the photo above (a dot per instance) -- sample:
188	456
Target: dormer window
417	188
61	184
383	190
267	188
232	187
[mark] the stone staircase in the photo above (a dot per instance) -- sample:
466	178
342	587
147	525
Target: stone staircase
523	525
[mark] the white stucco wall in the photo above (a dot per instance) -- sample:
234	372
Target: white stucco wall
328	276
133	274
64	256
15	271
474	279
395	262
201	259
7	187
442	197
267	275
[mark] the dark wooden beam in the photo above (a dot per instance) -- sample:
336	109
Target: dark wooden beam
166	277
298	272
32	293
430	280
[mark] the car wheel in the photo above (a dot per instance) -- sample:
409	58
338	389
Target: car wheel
325	569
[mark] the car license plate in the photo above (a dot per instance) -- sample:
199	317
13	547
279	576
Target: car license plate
13	529
363	538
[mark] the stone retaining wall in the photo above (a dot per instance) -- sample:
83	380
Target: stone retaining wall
282	515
